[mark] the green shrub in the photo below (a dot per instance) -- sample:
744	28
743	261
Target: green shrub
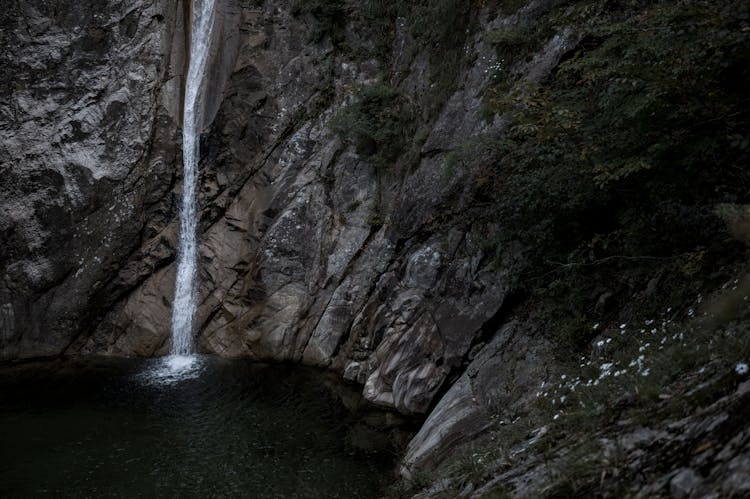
612	168
330	16
631	143
379	122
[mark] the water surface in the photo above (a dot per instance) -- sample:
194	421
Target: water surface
210	428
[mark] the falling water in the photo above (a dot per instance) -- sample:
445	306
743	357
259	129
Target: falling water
184	305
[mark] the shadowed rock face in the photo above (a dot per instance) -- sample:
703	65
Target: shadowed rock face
292	264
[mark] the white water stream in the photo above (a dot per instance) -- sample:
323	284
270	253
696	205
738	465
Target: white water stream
184	305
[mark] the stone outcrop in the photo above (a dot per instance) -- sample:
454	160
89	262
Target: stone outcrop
502	378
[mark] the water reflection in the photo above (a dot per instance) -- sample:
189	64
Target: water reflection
187	427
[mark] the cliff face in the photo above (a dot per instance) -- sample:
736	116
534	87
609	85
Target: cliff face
88	127
341	223
294	264
308	252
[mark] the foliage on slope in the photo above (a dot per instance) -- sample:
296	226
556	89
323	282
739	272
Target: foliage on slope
625	177
614	168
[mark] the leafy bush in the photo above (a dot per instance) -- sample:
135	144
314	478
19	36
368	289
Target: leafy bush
438	27
612	169
379	122
632	138
331	17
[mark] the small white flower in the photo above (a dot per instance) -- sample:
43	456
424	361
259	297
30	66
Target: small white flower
623	326
595	326
741	369
646	372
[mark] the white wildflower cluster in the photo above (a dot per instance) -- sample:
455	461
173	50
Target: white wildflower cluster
623	351
650	336
734	285
496	70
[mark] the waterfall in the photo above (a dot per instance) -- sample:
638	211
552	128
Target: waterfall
184	305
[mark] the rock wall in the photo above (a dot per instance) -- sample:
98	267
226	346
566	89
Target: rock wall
310	250
308	253
292	265
88	152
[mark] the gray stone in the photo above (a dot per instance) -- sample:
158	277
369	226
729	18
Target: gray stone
88	147
683	483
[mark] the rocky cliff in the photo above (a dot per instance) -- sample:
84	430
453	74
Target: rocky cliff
345	219
90	118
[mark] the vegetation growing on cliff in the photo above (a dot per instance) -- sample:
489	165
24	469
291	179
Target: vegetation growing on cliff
624	176
611	174
379	122
439	29
615	165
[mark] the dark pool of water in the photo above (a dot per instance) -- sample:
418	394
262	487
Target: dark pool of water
218	428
